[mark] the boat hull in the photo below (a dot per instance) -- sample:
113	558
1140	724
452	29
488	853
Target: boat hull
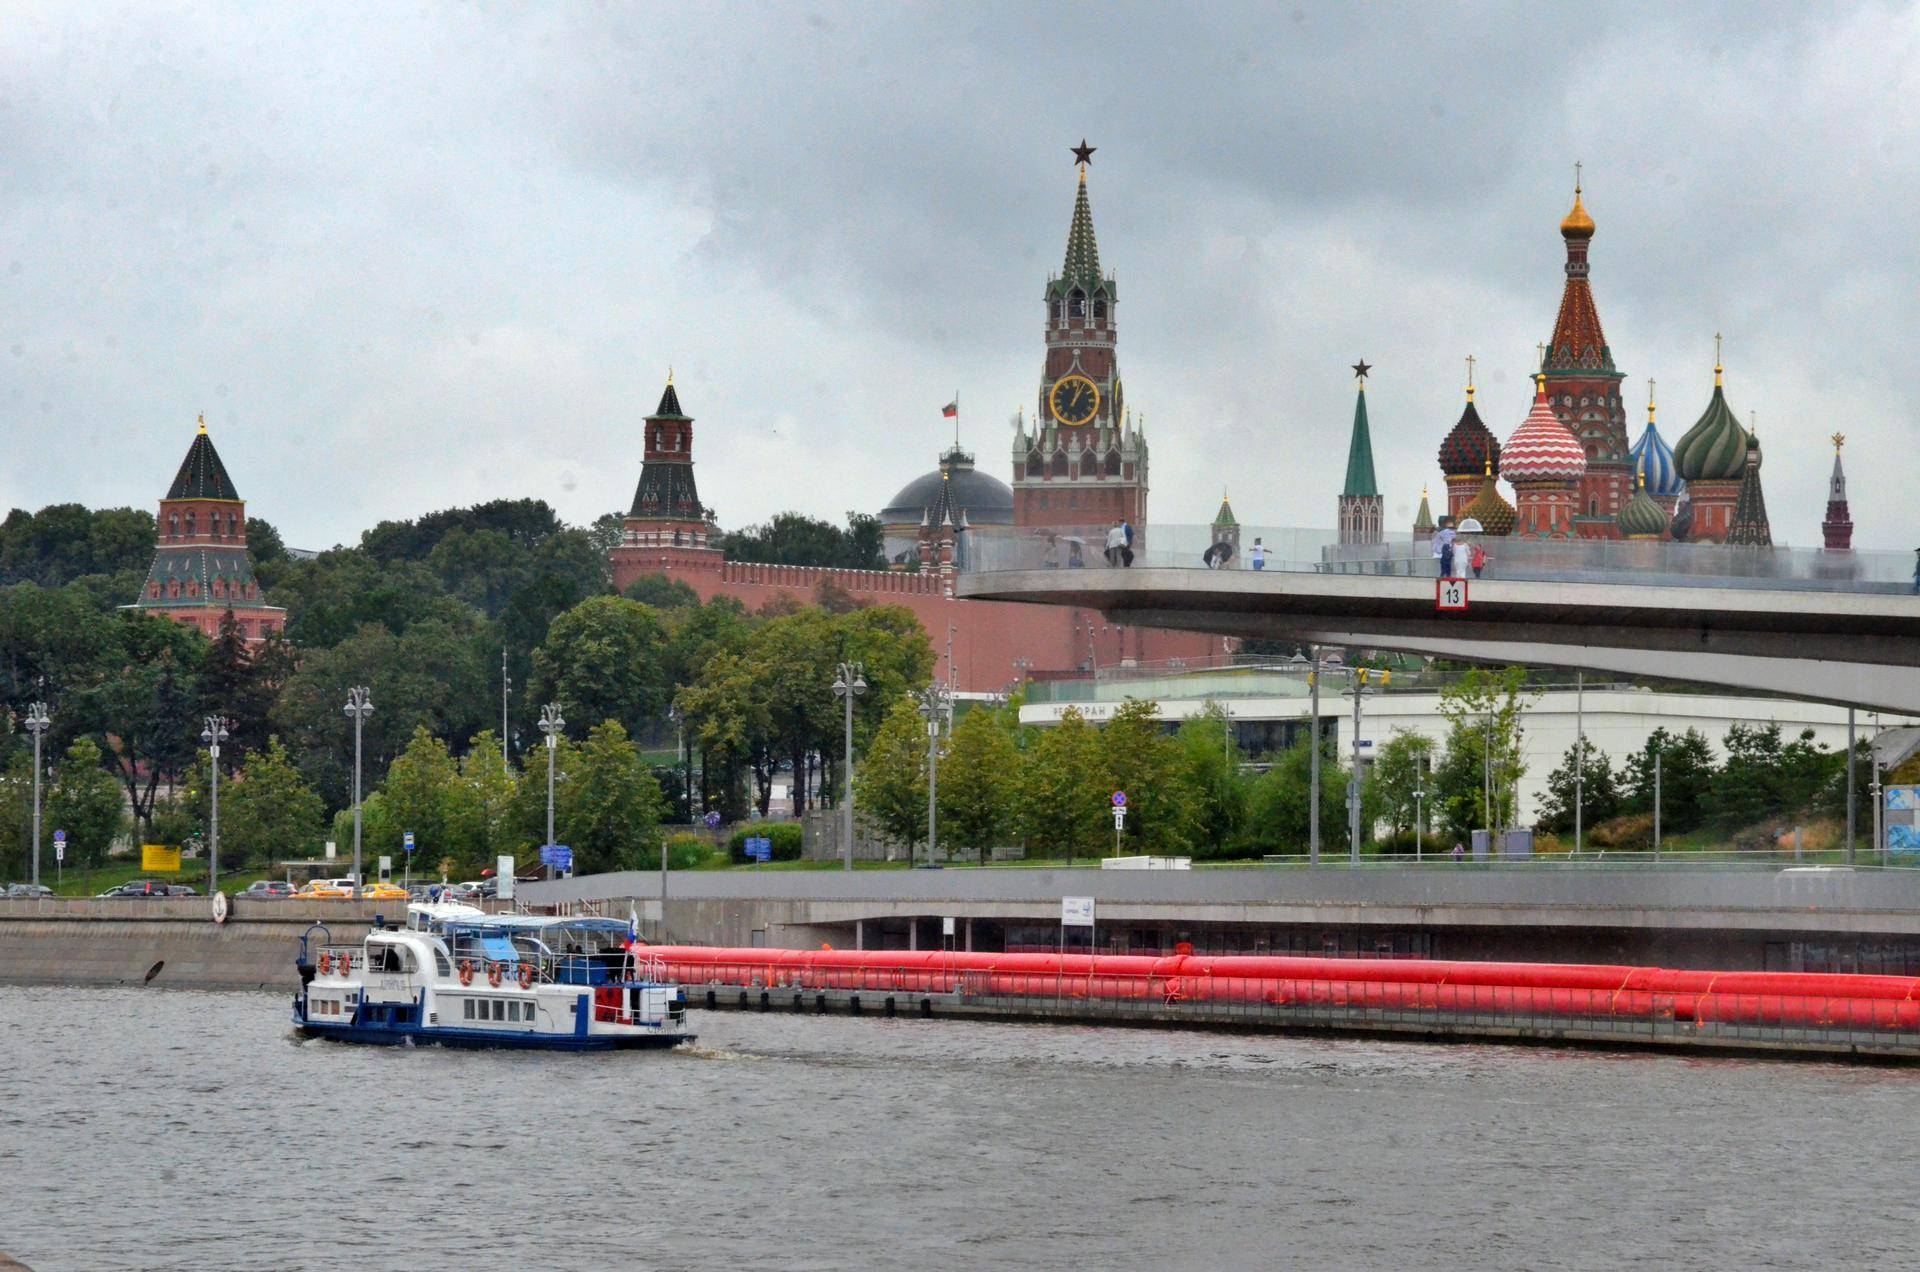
400	1035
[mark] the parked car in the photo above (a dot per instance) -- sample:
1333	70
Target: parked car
181	890
268	890
28	891
469	891
326	890
378	891
139	888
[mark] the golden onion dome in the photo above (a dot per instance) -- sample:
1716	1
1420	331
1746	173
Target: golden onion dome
1578	224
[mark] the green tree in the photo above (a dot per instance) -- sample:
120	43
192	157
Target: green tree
1401	767
1279	816
1477	783
791	538
1212	776
85	802
1064	797
1687	772
610	814
890	783
978	777
270	812
423	794
1163	805
483	825
604	659
661	592
1598	793
16	814
141	704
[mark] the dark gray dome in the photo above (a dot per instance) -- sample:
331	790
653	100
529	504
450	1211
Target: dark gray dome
985	499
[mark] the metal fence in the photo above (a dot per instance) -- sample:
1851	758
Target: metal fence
1649	562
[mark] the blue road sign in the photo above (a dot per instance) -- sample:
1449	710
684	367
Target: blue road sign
759	849
559	856
1119	799
59	836
409	841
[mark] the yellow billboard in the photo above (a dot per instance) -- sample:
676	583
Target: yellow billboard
159	857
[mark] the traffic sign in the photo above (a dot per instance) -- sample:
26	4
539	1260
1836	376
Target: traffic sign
408	839
1119	799
1119	817
559	856
759	849
1076	911
59	836
1450	594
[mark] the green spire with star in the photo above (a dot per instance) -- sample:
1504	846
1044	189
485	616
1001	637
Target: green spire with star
1082	265
1360	479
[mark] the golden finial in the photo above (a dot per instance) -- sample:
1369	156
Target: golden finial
1717	368
669	376
1540	355
1469	377
203	423
1578	224
1839	440
1649	399
1641	473
1489	463
1423	492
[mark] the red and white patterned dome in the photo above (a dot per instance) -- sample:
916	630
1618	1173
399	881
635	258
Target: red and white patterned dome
1542	449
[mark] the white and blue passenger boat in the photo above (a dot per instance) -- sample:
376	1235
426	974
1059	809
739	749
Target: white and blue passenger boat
462	978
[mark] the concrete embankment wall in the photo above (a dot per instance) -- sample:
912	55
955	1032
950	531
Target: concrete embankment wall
120	942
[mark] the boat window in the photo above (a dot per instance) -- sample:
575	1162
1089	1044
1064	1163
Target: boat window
469	1007
499	1009
441	961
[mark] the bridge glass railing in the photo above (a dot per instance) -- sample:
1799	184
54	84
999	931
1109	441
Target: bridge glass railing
997	549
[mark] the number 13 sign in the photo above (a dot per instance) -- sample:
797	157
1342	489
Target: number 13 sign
1450	594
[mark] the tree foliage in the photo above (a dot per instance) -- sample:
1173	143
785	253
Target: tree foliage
85	802
270	813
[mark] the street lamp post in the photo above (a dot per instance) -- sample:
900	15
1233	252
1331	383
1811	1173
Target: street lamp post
1419	814
1656	803
359	707
1313	741
552	725
213	735
1852	794
847	685
38	721
933	707
506	683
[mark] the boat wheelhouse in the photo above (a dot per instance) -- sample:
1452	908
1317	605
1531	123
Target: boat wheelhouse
457	976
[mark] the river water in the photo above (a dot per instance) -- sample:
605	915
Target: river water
169	1129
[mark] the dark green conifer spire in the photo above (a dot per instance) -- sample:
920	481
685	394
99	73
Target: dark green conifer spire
1083	253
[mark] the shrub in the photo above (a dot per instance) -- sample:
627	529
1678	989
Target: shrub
788	841
1633	831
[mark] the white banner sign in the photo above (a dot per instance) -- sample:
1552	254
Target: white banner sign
503	878
1076	911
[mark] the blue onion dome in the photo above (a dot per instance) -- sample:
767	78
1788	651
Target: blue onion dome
1653	461
1642	518
1715	448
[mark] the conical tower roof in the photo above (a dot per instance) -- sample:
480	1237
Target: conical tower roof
1495	515
1081	268
1360	479
1423	519
1579	343
1749	525
1225	516
202	475
1542	449
669	408
1641	517
1715	448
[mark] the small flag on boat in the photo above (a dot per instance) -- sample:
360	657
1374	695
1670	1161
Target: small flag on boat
633	926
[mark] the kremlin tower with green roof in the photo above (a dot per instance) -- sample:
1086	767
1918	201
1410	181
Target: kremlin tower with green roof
1362	510
202	571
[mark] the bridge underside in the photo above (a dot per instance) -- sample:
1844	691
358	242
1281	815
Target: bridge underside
1854	649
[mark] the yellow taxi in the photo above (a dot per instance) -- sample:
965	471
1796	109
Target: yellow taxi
383	892
325	890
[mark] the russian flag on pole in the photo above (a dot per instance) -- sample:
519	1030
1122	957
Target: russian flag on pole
951	409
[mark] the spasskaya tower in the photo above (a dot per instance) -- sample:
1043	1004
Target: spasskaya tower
1081	462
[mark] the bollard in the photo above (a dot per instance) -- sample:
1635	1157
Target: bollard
820	1004
926	1008
853	1005
766	1000
890	1006
713	1000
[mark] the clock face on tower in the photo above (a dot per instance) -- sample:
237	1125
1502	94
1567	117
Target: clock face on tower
1074	400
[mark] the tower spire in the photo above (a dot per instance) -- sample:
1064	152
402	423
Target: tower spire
1360	506
1837	529
1082	263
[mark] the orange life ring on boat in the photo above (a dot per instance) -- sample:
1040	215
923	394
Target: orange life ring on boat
526	975
346	964
493	974
466	971
326	963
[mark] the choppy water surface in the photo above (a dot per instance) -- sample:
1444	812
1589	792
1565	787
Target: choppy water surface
149	1129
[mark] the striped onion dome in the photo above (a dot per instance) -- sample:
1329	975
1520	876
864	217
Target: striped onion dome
1542	449
1642	518
1653	464
1469	446
1715	448
1495	515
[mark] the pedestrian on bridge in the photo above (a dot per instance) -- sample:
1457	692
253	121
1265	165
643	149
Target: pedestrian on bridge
1443	548
1476	559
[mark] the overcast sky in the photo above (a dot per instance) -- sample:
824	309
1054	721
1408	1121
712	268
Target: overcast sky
411	258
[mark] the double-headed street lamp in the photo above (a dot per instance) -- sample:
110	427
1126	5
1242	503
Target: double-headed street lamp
848	684
359	707
213	735
39	719
553	726
934	704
